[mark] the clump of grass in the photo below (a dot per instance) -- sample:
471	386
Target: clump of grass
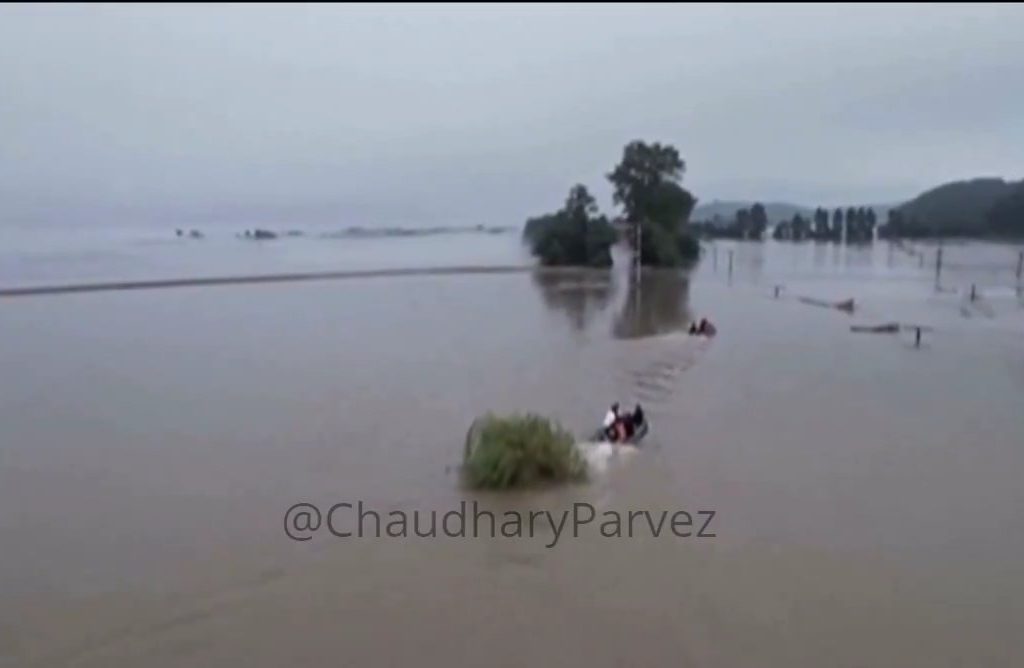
519	451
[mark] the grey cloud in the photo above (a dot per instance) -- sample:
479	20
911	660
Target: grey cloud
489	113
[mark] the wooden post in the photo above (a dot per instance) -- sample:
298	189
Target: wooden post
714	256
1020	265
938	266
730	263
777	288
974	292
917	338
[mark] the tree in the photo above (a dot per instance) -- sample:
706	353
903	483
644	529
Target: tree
743	222
758	221
801	227
869	224
854	224
642	169
537	226
646	185
821	223
574	235
837	223
894	226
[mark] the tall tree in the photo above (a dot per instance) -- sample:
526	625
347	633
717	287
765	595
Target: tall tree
800	228
643	168
758	221
646	185
820	223
743	222
837	223
870	220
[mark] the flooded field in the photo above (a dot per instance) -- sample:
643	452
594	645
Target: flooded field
866	491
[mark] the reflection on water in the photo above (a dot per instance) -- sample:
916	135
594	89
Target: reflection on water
579	294
658	304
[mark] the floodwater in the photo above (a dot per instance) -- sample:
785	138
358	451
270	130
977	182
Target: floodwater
867	496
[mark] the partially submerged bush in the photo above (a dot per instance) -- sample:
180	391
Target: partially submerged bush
573	236
519	451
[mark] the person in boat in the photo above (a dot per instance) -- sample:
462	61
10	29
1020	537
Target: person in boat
706	328
638	418
623	427
693	328
611	420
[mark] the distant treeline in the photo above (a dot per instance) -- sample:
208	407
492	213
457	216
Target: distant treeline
752	224
977	208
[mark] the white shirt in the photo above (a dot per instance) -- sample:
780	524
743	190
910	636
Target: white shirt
610	418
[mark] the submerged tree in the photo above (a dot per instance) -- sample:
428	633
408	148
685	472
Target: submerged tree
801	227
758	221
837	224
574	235
646	184
743	222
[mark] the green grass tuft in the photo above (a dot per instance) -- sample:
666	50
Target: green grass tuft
519	451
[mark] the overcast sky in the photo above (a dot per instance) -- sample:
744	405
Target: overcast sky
466	114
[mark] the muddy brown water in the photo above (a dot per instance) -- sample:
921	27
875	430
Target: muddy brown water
867	497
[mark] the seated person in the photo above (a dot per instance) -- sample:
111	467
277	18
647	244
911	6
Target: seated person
706	328
638	418
611	419
625	425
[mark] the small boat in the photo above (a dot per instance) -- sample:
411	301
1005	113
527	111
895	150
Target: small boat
634	439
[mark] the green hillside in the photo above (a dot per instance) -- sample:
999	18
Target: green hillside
960	207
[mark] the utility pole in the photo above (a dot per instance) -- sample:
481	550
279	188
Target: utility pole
638	253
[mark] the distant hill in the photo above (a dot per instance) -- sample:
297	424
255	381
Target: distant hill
1006	218
960	206
726	210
